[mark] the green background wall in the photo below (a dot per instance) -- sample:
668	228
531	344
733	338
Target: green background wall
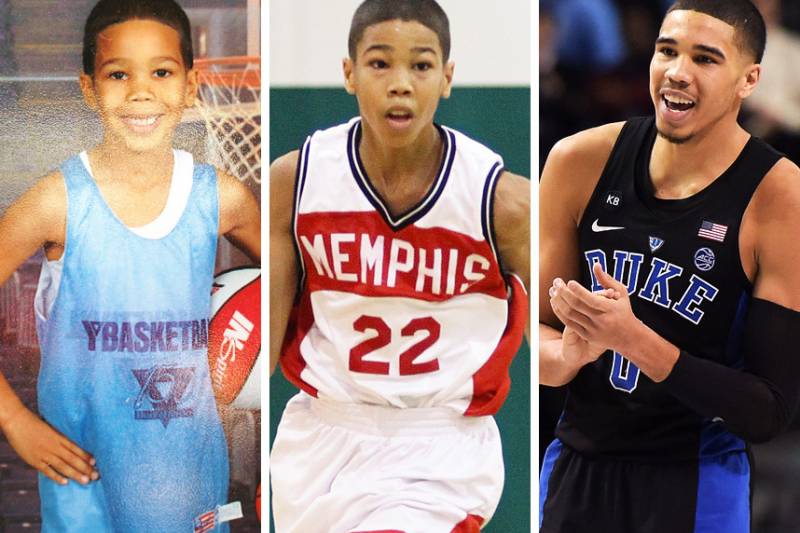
499	118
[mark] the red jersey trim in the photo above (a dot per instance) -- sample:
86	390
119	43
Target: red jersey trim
366	257
292	363
491	382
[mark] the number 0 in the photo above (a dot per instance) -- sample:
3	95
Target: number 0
624	374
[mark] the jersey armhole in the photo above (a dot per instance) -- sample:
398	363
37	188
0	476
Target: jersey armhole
487	210
608	166
301	172
49	283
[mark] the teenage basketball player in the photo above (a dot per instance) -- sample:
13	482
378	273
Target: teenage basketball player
130	439
403	320
692	224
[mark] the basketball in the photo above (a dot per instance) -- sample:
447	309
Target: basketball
258	502
234	338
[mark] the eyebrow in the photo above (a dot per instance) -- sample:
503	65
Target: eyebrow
702	47
123	61
389	48
423	49
379	47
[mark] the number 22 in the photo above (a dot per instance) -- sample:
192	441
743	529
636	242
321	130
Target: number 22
383	337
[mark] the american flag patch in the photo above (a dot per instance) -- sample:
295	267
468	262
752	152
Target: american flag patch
205	522
710	230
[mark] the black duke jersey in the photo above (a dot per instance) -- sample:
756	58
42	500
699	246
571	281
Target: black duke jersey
680	262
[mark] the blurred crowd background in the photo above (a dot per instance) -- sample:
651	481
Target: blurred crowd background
594	58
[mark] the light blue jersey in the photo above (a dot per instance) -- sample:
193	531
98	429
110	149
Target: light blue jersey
124	369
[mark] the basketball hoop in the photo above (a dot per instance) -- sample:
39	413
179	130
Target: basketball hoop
229	100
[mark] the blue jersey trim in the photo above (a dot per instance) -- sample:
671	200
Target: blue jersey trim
548	463
723	494
374	198
487	209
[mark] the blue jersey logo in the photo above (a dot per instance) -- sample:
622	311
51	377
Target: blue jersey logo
163	390
704	259
655	243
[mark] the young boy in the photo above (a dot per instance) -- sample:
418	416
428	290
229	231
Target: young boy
130	439
402	321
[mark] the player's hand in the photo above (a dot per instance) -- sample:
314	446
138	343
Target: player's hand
578	352
47	450
575	350
604	318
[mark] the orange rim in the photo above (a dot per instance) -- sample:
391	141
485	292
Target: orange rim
251	77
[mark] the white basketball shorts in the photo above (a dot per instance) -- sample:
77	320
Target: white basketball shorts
351	468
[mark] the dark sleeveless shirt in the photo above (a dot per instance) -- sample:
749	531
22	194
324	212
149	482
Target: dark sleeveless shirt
680	261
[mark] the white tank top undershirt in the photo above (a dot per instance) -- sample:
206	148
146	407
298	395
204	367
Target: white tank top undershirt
179	191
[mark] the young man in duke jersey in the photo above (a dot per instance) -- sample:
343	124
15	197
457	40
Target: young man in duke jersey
396	318
130	439
692	225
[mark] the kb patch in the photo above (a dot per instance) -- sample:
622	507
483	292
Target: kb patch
704	259
163	389
613	200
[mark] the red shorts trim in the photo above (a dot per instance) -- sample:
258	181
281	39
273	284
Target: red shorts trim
471	524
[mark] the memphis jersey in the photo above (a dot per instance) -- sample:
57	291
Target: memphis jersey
680	261
124	369
408	310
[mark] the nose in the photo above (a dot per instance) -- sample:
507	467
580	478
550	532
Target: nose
400	83
140	89
680	71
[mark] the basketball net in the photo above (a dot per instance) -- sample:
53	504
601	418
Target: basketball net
229	100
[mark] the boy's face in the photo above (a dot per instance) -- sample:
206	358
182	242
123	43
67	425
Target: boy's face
698	74
398	76
140	85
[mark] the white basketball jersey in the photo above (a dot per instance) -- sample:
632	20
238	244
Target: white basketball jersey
409	310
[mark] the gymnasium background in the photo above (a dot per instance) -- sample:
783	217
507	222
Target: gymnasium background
44	121
490	102
593	69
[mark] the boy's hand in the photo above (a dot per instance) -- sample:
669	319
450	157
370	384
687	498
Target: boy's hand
47	450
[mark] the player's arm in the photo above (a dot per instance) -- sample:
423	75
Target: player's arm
283	277
239	216
35	220
759	401
512	226
568	180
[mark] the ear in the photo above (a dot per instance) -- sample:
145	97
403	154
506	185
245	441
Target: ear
449	68
349	81
191	88
751	77
87	88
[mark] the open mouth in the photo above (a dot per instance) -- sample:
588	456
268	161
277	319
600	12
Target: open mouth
146	121
677	103
142	123
399	116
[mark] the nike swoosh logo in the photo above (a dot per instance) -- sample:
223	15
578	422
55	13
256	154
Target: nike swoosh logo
598	228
